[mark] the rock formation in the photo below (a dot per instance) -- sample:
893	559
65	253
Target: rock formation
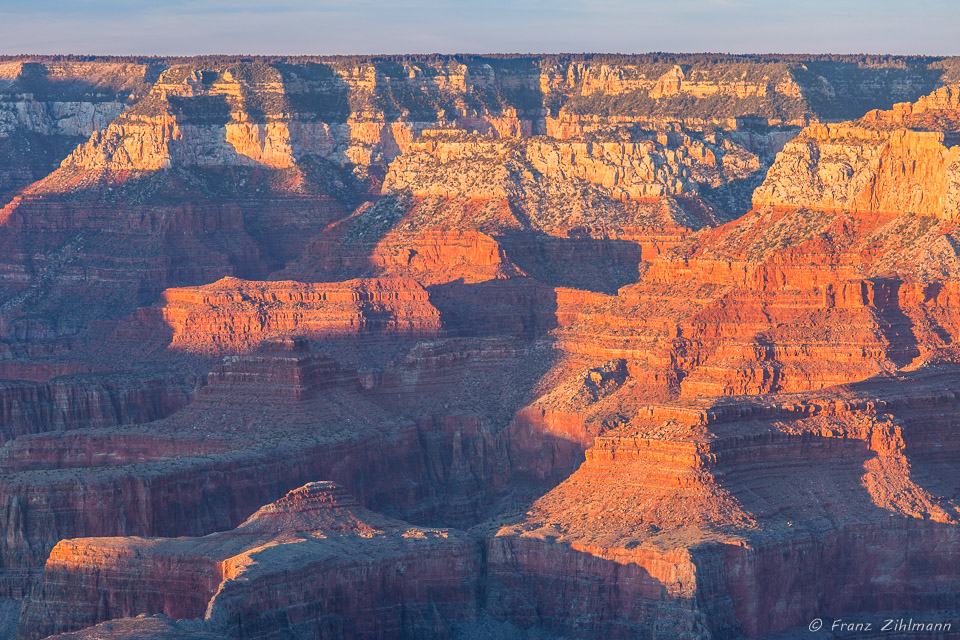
142	627
680	521
653	346
314	563
232	315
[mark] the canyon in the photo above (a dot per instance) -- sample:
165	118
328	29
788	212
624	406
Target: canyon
475	347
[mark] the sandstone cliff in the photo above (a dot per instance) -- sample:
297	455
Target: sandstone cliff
535	298
232	315
669	511
48	107
845	311
177	139
304	553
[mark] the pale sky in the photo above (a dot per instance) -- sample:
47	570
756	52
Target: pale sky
314	27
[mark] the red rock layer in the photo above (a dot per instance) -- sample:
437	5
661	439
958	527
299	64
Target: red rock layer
751	513
524	304
430	256
745	524
301	373
265	422
98	449
291	568
87	401
231	315
115	252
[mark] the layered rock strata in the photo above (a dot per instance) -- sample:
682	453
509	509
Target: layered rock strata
233	315
506	295
683	508
128	213
87	401
831	495
265	421
292	568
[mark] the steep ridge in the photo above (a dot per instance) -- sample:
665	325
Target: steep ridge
905	160
795	295
130	212
460	205
133	211
170	192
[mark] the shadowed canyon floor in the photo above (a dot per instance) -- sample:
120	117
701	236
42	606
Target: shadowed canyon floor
464	347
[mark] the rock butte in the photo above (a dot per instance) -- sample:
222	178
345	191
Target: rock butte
331	555
654	346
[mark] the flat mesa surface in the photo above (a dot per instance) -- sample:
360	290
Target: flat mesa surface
471	347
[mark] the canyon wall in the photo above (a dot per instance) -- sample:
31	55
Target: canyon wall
316	541
654	346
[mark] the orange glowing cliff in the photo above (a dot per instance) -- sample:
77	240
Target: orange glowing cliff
463	347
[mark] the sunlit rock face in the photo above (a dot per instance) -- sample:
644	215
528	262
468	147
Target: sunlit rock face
477	347
890	162
316	543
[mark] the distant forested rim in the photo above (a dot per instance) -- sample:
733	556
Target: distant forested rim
872	61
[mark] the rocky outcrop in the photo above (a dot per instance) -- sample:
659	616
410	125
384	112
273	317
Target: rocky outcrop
620	164
65	99
269	137
628	170
47	108
430	256
900	161
494	239
60	118
712	88
143	627
858	169
687	503
232	315
120	247
271	115
266	422
290	570
714	502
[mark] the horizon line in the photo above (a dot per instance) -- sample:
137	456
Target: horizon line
517	54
